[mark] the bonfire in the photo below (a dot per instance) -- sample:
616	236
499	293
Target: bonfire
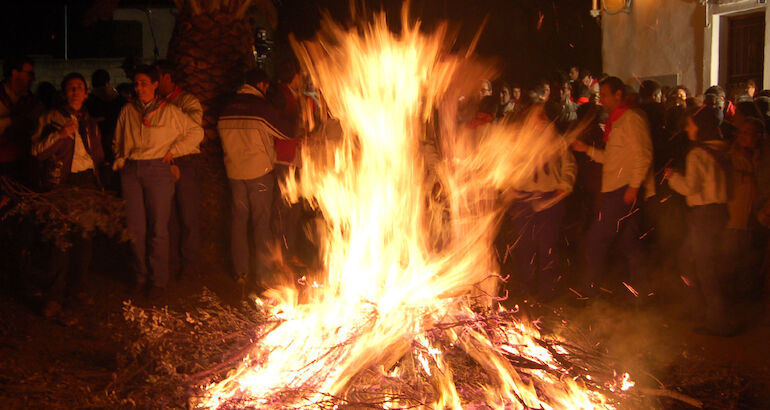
404	312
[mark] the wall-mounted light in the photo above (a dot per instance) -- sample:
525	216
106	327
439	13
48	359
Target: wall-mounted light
595	11
616	6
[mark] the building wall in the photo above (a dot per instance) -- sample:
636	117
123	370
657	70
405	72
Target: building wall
54	69
715	36
162	26
657	38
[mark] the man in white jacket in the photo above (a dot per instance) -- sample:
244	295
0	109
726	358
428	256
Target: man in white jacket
247	128
184	227
626	163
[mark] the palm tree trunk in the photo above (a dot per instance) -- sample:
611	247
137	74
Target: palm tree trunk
212	49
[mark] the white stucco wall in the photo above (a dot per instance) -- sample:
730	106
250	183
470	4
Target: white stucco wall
162	24
657	38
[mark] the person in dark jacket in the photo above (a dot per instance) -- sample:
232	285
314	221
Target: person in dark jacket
68	144
104	105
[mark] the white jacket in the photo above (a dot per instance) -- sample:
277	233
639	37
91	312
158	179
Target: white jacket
192	108
166	130
704	181
627	158
246	128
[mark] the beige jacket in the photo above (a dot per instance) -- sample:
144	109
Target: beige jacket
627	157
247	129
704	181
169	130
192	107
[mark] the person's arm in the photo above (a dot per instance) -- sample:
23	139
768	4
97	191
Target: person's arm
691	182
639	154
596	154
192	107
189	134
49	137
568	171
278	125
119	142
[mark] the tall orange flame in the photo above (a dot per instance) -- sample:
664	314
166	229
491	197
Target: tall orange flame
397	259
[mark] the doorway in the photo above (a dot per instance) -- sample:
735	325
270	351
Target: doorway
745	51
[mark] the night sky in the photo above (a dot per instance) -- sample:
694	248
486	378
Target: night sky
530	38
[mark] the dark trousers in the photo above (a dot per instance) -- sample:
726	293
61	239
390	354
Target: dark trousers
533	251
184	226
616	224
703	263
71	265
286	216
252	201
148	189
742	251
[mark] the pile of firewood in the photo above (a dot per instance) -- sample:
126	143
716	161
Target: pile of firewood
65	212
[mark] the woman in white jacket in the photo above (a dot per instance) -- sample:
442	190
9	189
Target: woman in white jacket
704	185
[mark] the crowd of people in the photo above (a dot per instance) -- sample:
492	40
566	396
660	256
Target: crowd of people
669	181
674	184
144	146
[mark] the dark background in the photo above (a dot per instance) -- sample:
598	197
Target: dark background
529	38
528	49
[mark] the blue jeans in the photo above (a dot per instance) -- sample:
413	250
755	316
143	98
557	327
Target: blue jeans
252	200
185	228
148	189
617	223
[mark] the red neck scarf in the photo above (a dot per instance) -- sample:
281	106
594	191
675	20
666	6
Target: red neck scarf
149	109
614	116
480	119
174	94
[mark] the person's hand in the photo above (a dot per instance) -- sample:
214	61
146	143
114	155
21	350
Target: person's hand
68	129
763	216
168	158
176	173
579	146
630	196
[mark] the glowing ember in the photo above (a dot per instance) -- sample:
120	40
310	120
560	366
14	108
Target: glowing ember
402	261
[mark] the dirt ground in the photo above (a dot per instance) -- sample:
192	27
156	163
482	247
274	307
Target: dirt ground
42	359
